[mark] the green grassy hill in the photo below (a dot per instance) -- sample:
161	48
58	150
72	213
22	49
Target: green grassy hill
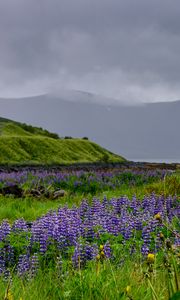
25	144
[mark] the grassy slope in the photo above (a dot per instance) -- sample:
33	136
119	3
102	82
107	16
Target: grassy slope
21	146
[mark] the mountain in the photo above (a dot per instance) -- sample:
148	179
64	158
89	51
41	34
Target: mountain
25	144
136	131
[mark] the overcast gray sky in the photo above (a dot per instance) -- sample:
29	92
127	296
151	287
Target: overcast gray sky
125	49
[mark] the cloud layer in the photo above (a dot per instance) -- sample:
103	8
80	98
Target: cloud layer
124	49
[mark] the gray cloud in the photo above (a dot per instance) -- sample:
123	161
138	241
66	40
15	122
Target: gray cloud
127	49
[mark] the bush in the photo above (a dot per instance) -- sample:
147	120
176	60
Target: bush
39	130
51	135
28	128
105	158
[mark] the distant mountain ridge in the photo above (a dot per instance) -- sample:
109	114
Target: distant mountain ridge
135	131
25	144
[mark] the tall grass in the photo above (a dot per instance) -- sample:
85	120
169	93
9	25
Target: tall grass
170	185
117	280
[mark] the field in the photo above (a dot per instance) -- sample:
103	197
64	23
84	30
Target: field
98	233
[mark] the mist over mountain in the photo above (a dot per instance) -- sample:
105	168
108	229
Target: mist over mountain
137	131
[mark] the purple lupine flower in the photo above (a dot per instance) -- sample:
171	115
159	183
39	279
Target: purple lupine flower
20	225
43	242
78	258
107	250
34	264
146	235
5	230
145	250
23	265
2	261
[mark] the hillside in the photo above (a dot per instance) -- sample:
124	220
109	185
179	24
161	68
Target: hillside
148	131
25	144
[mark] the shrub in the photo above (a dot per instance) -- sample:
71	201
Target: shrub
105	158
39	130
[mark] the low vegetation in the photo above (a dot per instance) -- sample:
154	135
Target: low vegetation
114	235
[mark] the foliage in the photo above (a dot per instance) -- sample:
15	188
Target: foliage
105	157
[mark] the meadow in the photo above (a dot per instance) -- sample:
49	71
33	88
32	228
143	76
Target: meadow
114	234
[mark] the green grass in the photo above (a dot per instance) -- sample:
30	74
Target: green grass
27	208
31	208
99	280
9	127
169	186
34	145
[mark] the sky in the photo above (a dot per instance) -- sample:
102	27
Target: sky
123	49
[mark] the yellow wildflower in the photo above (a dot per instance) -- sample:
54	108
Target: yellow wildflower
151	258
102	254
157	217
101	247
128	289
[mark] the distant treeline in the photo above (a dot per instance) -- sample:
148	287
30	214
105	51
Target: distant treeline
45	132
38	130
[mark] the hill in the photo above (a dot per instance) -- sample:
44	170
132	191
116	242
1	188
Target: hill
25	144
147	131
